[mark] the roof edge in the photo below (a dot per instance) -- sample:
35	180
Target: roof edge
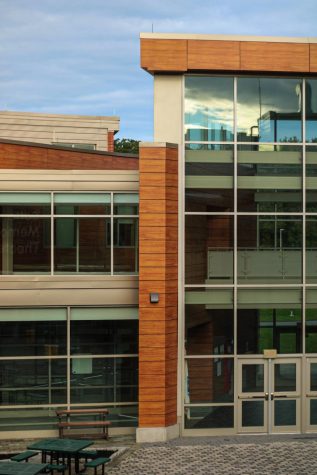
215	37
67	149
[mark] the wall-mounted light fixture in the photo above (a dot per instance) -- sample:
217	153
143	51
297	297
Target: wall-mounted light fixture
154	297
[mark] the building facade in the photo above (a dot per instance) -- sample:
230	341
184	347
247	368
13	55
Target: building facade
243	113
76	131
177	288
68	290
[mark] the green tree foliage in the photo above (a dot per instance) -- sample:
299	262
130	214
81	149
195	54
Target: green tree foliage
126	146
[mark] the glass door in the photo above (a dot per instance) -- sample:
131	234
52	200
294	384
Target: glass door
253	394
269	395
285	399
311	394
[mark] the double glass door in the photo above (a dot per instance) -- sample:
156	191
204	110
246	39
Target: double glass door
269	395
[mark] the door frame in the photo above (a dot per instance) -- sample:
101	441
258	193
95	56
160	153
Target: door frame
310	394
268	395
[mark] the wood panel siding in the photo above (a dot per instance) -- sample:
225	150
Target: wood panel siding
287	57
158	273
193	54
33	156
213	55
164	55
313	58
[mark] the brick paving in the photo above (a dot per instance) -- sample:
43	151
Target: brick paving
263	455
244	455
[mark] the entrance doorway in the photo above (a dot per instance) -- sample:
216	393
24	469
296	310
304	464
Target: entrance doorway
269	393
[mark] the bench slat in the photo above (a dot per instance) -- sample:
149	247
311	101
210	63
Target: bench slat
84	424
82	411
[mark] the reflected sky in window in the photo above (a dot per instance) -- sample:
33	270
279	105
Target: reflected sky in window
311	110
208	108
269	109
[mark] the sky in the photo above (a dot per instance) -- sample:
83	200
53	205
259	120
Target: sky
82	56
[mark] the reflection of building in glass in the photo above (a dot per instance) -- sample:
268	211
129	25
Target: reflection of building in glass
280	127
209	135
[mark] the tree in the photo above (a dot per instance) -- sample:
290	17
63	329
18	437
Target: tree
126	146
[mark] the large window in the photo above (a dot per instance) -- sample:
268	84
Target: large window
269	109
249	232
59	357
209	108
69	233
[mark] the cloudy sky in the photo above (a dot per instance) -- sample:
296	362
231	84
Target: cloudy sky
82	56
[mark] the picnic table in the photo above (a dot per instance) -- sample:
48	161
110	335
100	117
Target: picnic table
17	468
69	448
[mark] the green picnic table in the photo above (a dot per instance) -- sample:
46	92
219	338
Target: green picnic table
19	468
68	448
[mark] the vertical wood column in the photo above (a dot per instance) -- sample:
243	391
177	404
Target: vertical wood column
158	274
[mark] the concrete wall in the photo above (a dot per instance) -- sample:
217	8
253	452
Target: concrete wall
54	129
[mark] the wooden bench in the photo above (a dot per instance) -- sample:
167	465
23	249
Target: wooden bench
65	421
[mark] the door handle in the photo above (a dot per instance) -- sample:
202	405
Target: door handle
264	396
272	397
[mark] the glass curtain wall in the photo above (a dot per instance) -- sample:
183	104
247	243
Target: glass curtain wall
67	357
69	233
250	231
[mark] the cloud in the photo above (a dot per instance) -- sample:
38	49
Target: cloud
83	57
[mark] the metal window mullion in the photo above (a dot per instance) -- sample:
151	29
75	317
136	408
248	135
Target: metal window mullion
276	245
111	235
246	213
112	356
68	365
235	225
207	142
32	406
304	216
270	391
230	286
77	245
181	270
24	216
52	233
136	245
25	358
218	142
115	380
209	404
212	356
235	251
80	216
